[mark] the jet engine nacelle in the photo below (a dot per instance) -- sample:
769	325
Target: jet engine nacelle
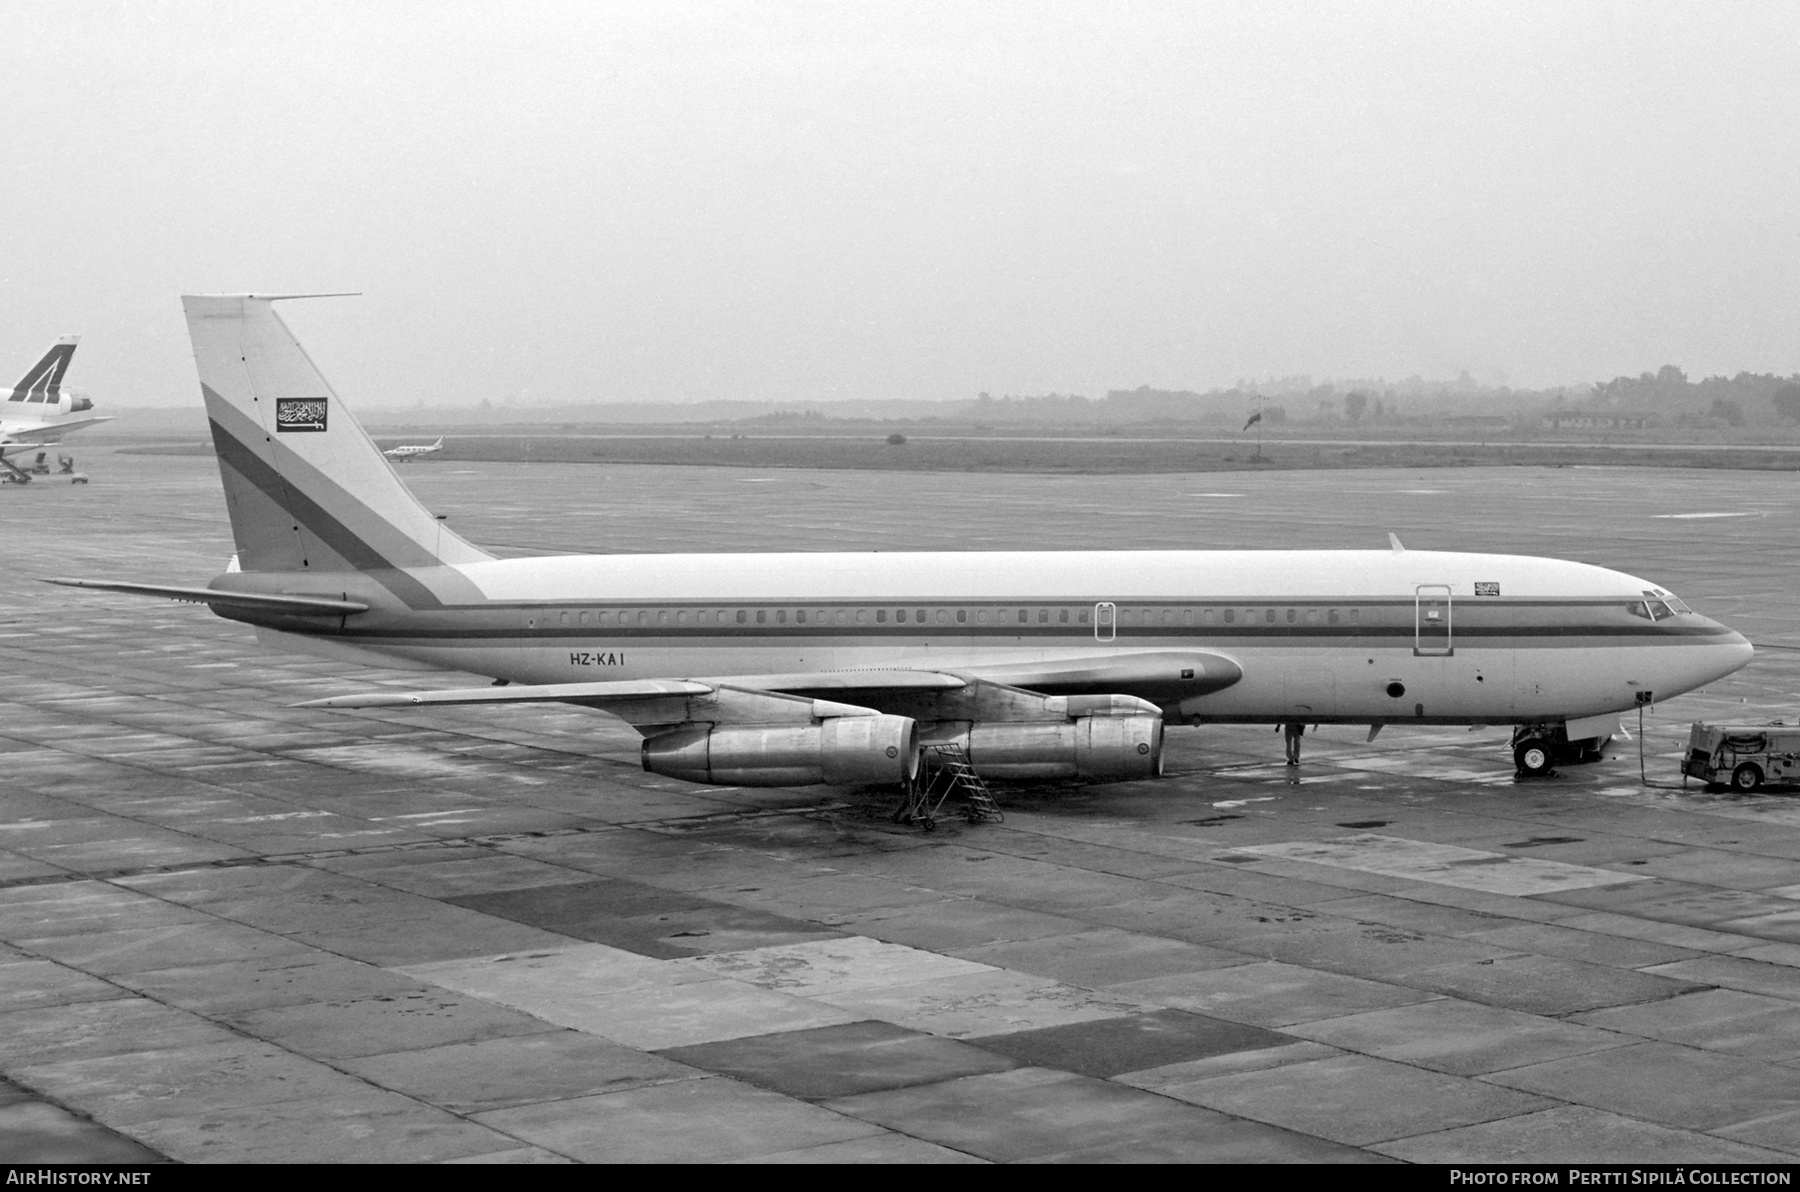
843	751
1101	748
74	400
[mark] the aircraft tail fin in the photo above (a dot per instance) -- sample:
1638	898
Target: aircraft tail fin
307	488
44	382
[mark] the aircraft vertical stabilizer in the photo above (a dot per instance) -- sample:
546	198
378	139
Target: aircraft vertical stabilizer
306	487
43	384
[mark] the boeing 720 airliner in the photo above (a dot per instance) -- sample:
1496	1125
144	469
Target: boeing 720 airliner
787	669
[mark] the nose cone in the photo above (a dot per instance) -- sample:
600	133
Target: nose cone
1735	653
1711	652
1726	652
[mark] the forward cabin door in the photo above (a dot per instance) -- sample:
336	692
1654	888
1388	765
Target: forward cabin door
1106	619
1431	621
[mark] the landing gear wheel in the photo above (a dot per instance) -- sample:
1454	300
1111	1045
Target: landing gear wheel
1746	777
1534	756
930	825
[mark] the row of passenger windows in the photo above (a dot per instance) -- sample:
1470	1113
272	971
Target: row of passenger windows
963	616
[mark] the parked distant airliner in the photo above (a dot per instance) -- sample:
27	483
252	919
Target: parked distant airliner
41	409
784	669
402	454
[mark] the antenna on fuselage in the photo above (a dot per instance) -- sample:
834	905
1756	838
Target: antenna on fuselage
1394	541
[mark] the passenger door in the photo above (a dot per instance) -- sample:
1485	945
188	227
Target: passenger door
1431	621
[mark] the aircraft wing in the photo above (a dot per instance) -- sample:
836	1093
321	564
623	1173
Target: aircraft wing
622	689
1161	676
821	682
1168	675
303	605
596	694
1156	675
650	705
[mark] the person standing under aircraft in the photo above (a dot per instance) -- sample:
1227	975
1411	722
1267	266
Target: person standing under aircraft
1291	734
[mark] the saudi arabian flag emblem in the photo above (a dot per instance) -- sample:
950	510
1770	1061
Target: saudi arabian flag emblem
300	413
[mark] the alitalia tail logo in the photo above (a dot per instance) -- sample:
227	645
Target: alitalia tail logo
300	413
44	382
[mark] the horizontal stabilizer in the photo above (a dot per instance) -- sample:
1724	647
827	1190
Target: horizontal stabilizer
301	605
532	693
52	432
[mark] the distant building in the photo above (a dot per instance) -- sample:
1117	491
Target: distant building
1477	421
1596	420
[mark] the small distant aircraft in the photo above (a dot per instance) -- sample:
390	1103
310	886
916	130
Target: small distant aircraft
401	454
40	409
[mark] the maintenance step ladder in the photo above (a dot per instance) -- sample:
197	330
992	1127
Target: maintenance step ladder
944	770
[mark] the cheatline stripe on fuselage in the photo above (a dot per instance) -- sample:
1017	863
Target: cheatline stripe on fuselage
465	624
668	637
689	604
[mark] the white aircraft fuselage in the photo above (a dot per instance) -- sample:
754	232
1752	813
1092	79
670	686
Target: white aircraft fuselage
403	454
1319	636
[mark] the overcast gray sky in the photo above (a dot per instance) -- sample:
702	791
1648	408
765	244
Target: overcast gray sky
650	201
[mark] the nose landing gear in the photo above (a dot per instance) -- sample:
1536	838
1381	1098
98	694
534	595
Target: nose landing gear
1535	756
1537	748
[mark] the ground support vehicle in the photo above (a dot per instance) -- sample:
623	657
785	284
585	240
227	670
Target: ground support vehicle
1743	756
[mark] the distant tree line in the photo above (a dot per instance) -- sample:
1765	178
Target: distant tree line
1666	395
1746	397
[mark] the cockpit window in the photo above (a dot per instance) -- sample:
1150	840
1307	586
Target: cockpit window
1675	603
1655	610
